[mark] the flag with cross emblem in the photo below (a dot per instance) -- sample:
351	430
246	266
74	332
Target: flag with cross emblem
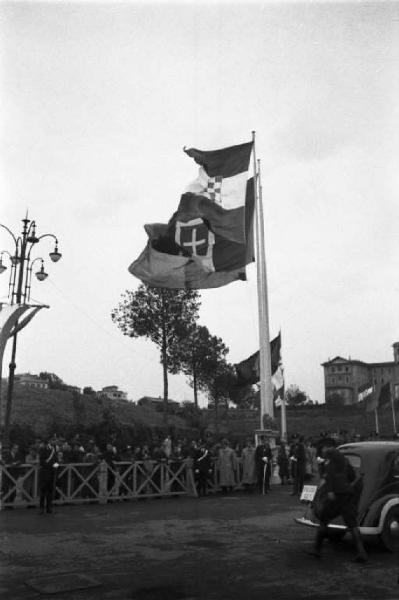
209	239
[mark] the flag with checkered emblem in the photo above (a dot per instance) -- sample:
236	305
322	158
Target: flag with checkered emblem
209	239
219	192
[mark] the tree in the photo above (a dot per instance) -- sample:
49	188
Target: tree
206	363
192	415
296	397
202	357
220	376
161	315
88	390
195	354
245	396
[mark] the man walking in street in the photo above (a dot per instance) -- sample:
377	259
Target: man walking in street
342	489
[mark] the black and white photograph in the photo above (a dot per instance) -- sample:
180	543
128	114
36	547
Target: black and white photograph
199	300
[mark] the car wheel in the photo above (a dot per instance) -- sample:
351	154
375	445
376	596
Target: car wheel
390	530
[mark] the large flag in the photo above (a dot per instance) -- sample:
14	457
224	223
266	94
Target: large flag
248	370
209	240
218	193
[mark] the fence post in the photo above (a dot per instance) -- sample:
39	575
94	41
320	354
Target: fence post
18	490
190	482
103	482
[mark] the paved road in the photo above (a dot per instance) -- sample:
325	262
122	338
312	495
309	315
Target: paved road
215	548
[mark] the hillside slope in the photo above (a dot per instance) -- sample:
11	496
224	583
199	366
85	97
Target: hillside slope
55	411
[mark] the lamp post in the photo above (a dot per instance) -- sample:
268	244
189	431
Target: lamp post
19	289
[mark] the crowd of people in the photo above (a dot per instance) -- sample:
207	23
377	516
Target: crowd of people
248	466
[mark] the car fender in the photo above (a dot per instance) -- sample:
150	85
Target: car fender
387	502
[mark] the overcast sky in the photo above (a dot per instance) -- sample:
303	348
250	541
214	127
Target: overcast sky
97	102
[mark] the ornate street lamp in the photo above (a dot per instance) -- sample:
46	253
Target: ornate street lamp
19	286
41	275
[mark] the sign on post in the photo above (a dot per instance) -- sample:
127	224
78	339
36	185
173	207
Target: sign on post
308	493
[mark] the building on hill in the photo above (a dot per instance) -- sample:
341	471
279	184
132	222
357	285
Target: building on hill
344	377
157	403
112	392
74	389
29	380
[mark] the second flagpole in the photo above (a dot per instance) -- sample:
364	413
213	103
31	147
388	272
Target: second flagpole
266	390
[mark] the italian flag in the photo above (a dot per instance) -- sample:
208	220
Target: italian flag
209	239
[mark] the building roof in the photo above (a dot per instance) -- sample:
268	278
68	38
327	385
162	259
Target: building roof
30	377
340	360
157	399
348	361
383	364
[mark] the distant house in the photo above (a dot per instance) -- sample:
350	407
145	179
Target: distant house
74	389
345	378
113	393
157	403
34	381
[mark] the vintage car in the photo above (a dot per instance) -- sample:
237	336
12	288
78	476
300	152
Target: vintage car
378	509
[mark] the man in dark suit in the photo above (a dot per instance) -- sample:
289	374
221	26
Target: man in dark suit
47	474
298	465
263	465
202	469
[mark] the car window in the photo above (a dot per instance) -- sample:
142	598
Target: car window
355	461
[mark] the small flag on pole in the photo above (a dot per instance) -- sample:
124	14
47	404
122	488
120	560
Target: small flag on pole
364	391
248	369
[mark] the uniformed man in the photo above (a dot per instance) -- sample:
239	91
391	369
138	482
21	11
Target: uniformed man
47	474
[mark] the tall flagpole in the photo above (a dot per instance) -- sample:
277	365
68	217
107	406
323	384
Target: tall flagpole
283	411
266	390
262	405
266	338
377	425
283	420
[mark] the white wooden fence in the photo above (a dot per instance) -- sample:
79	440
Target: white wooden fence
79	483
76	483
